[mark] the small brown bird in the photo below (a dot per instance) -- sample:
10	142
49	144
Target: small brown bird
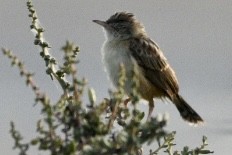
127	43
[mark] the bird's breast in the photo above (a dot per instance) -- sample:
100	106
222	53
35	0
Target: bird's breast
114	54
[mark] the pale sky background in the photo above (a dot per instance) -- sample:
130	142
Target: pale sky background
195	36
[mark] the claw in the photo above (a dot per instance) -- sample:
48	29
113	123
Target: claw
126	102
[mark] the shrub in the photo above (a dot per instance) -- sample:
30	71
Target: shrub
70	126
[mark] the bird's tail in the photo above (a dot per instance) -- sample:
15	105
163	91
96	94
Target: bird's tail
186	111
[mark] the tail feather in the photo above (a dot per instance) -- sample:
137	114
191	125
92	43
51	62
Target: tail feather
186	111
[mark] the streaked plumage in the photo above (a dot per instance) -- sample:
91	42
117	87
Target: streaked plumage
127	43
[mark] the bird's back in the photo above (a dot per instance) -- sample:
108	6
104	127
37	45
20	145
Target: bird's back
154	65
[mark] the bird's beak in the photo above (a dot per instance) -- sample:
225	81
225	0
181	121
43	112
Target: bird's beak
102	23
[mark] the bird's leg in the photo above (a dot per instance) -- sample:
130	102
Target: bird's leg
151	107
126	101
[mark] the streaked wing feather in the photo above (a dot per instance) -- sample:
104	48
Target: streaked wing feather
155	66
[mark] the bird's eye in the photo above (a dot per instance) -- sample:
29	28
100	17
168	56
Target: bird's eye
120	25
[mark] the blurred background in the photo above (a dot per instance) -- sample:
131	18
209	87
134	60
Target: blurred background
195	36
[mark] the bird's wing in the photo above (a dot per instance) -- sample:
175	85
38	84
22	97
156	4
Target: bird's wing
154	65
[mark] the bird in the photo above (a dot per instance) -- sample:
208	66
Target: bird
126	42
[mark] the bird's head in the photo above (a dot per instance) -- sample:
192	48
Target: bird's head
121	26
